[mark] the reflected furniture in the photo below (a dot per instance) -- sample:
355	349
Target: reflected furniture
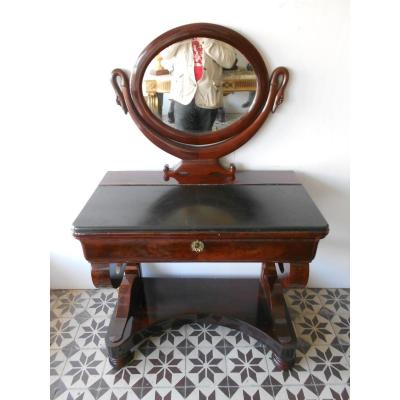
155	86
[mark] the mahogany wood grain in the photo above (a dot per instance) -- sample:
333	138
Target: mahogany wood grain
298	275
139	247
101	275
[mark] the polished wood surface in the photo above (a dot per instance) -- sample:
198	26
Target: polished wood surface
127	222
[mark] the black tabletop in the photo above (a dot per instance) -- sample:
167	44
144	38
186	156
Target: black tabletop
243	207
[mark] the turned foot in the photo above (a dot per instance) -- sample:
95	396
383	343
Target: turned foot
121	361
281	364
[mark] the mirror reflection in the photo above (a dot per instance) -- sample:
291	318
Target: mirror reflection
199	85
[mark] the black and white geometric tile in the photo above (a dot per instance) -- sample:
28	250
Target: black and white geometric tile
303	300
199	361
62	332
128	376
205	366
328	364
165	367
247	366
336	300
91	333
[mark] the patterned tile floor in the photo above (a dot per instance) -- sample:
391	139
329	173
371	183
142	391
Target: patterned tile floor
197	361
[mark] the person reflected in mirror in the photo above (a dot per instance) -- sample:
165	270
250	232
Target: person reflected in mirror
197	81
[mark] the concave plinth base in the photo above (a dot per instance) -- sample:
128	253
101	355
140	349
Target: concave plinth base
161	303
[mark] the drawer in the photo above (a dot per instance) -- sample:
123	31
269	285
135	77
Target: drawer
196	248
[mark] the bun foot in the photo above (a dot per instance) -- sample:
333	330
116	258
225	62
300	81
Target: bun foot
281	365
119	362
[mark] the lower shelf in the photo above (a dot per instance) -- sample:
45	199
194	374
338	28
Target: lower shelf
161	303
164	298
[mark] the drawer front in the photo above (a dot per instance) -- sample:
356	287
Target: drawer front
197	249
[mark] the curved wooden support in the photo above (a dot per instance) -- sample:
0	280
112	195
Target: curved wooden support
108	275
282	328
119	74
124	304
101	275
124	293
298	275
273	287
280	73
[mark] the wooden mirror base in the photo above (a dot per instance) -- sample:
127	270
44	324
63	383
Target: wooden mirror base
200	171
256	307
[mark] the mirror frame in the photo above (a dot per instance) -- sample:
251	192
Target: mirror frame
200	153
212	31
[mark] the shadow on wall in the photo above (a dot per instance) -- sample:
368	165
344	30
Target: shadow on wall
210	269
331	266
68	272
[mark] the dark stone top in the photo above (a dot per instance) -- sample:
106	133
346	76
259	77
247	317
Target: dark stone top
241	207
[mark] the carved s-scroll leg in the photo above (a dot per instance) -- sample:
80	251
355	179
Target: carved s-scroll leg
122	321
282	328
298	275
116	275
125	291
108	275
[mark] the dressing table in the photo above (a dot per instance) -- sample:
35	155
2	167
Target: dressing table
200	211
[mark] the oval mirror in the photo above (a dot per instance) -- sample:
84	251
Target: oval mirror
199	92
199	85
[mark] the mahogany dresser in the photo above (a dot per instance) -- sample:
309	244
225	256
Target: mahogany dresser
265	217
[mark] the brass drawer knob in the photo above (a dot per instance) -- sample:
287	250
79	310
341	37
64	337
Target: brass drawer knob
197	246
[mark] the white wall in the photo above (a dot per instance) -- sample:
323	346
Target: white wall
90	134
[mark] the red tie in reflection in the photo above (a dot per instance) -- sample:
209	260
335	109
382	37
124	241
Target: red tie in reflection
198	58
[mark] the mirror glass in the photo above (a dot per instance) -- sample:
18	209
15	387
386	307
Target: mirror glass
199	85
